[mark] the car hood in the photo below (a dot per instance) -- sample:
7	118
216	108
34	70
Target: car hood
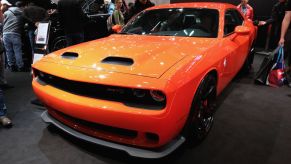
149	56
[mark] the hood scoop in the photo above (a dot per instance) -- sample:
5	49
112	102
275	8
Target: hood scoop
70	55
118	61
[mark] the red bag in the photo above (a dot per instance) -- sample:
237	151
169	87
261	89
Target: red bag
276	78
277	75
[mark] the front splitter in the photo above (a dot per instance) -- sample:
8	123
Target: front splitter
132	151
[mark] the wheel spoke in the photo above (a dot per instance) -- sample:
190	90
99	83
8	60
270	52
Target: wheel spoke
209	92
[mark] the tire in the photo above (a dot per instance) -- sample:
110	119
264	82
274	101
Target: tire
200	119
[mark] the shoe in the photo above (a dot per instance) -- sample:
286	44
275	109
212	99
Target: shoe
5	121
12	68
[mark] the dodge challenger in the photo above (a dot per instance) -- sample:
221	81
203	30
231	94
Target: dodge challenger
152	86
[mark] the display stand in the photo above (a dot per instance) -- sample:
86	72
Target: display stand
41	41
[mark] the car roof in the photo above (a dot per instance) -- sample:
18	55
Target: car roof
210	5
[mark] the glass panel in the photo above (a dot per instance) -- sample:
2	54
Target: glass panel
175	22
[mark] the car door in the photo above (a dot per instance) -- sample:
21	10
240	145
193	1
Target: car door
239	44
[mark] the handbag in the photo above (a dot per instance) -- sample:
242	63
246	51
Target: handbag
277	77
265	68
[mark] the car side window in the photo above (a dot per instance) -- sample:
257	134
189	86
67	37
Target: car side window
239	18
232	19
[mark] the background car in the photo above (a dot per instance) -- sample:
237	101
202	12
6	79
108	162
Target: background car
151	87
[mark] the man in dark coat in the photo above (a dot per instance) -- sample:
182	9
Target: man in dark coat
287	33
277	16
72	19
139	6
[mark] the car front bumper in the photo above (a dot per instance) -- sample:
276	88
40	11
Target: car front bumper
132	151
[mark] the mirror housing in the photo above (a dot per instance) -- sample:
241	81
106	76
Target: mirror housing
242	30
116	28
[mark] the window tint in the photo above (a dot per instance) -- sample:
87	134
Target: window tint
232	19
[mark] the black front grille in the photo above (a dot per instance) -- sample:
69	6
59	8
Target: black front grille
100	128
103	92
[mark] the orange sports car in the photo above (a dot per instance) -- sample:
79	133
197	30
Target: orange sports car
151	87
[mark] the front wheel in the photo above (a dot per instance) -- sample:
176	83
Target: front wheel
200	119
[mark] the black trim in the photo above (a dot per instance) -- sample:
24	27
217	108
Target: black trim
102	92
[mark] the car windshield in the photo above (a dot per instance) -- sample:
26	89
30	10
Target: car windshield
187	22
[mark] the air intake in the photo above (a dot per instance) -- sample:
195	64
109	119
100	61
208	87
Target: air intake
118	61
70	55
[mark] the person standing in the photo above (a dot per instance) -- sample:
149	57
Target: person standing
246	9
277	16
109	7
139	6
72	18
3	82
117	17
12	30
4	7
33	14
284	29
4	120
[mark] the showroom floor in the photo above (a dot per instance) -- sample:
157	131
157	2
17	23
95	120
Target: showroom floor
252	126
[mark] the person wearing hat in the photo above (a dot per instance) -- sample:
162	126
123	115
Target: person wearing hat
12	29
5	5
3	82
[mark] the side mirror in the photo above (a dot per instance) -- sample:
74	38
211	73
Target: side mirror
242	30
116	28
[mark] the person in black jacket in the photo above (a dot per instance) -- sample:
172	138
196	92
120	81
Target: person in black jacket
139	6
277	16
72	19
286	33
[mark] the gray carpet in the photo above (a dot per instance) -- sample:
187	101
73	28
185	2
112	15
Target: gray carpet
252	126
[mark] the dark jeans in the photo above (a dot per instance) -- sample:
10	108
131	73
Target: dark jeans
31	39
13	49
2	105
73	39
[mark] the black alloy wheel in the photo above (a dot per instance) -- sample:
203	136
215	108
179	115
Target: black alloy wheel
201	118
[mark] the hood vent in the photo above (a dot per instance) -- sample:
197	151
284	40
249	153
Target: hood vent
118	61
70	55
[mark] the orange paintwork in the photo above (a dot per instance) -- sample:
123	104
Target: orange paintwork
174	65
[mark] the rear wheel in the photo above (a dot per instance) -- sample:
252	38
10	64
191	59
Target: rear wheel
200	119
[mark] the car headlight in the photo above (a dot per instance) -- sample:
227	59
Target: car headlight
158	95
